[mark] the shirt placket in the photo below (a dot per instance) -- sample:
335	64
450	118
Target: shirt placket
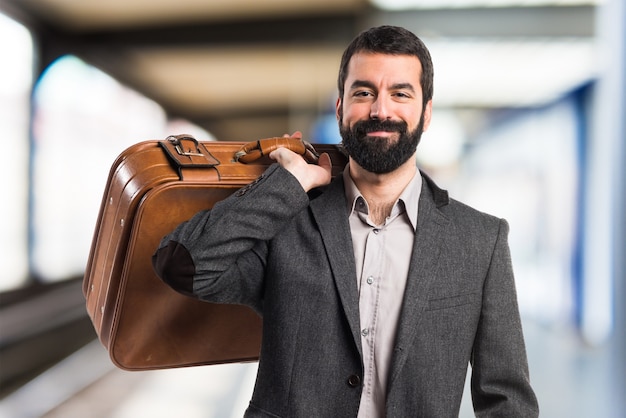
369	303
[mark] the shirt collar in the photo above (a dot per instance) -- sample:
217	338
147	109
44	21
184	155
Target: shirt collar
409	196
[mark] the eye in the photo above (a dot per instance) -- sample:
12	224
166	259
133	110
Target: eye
362	93
402	95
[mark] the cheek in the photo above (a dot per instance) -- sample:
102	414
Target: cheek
351	114
412	119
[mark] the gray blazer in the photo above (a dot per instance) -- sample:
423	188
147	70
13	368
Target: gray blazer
289	256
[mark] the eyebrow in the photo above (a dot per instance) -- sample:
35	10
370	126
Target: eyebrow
367	84
361	83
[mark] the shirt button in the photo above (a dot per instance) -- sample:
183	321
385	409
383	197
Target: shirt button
370	280
365	332
376	231
354	381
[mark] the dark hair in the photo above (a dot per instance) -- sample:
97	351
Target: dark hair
392	40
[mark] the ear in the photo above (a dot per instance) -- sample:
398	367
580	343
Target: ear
428	113
338	109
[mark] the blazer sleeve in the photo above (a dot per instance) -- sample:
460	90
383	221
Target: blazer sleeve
219	255
500	379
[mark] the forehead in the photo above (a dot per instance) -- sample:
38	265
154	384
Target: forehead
384	68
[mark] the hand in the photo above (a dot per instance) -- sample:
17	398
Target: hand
309	175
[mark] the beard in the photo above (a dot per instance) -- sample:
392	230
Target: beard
380	155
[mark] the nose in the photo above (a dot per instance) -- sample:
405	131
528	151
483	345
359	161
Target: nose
379	109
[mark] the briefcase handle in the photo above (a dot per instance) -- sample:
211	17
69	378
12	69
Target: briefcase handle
256	149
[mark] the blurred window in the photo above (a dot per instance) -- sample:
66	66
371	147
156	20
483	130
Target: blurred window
15	86
525	168
82	120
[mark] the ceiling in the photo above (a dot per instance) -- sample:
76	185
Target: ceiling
249	68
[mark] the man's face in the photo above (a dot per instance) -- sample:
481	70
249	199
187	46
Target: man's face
381	117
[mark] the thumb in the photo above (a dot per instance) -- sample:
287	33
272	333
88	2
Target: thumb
325	162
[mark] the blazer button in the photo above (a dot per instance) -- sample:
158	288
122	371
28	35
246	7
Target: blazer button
354	381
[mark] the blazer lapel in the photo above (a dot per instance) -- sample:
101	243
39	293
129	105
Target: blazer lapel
329	211
429	237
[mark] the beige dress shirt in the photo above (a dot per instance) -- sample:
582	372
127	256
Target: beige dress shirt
382	254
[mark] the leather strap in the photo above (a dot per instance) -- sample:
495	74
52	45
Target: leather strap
185	151
257	149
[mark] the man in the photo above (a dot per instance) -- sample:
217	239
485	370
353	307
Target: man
376	289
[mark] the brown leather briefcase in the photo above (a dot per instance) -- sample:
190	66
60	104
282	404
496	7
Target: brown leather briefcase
152	187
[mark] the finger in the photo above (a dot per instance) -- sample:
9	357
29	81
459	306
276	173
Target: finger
274	155
280	154
325	162
296	134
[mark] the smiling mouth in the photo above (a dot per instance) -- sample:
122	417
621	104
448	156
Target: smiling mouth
382	134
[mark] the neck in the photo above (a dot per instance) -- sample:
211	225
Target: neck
381	191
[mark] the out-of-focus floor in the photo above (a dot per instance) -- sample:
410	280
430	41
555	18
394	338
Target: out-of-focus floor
571	380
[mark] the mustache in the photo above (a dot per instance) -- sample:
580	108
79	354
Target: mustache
364	127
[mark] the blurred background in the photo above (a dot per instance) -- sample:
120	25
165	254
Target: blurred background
528	125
